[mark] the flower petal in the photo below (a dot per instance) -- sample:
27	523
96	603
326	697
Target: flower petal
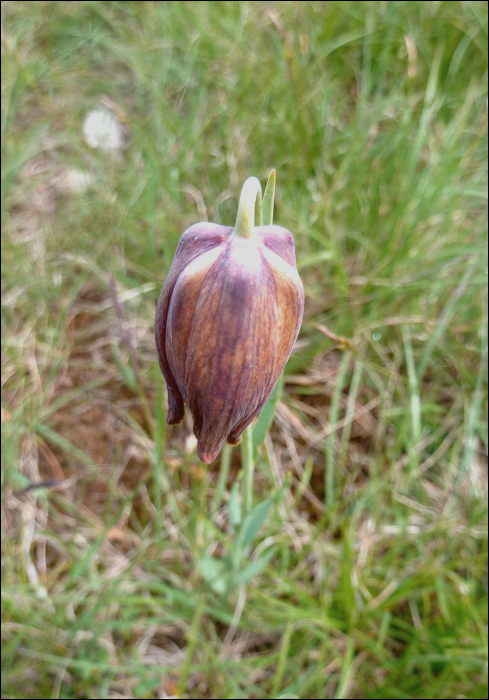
196	240
232	346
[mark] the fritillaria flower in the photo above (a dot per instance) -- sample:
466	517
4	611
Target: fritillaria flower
226	322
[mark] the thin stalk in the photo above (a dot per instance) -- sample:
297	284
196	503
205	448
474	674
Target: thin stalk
223	477
248	468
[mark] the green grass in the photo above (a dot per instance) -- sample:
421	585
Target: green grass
374	115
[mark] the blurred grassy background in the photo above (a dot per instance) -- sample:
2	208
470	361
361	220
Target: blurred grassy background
375	116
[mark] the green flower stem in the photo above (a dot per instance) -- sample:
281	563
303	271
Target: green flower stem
222	478
250	204
248	468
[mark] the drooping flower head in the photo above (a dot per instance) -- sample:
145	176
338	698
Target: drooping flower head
226	322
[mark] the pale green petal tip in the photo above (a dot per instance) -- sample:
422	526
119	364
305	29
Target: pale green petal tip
250	205
252	210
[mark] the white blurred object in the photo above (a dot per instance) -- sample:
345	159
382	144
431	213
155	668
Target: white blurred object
103	130
71	181
77	181
190	443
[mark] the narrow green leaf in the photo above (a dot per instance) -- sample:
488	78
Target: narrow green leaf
253	522
333	419
192	639
268	200
415	400
256	567
344	685
445	319
282	659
